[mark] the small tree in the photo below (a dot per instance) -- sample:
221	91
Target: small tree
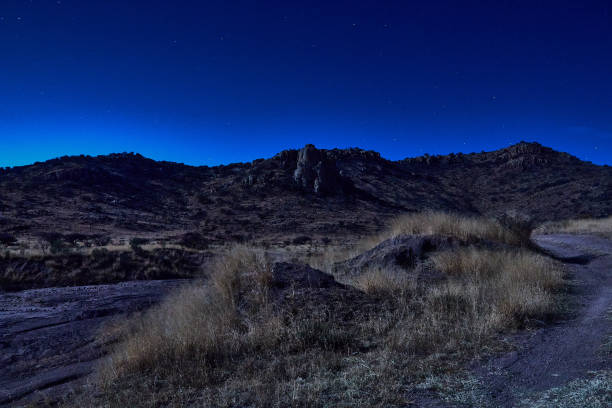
57	246
135	244
7	239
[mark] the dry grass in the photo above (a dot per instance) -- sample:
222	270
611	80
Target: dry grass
464	228
486	291
504	287
226	343
599	226
201	322
377	281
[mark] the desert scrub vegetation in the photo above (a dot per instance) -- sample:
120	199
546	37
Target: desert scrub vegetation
485	292
237	340
200	322
257	334
599	226
502	287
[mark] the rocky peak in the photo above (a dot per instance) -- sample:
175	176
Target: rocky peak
529	154
315	171
520	155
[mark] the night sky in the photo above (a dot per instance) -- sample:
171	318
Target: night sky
208	82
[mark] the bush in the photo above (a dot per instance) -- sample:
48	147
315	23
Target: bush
7	239
135	244
194	240
302	239
102	241
57	246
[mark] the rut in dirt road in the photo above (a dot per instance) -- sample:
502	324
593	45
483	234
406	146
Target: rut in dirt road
553	356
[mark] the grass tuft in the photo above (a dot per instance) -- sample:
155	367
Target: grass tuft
599	226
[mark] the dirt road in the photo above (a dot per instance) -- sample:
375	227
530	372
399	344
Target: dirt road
570	350
48	341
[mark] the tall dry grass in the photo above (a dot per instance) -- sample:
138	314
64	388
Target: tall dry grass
464	228
504	287
486	291
201	322
599	226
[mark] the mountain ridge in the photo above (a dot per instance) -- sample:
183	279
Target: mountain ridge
295	192
522	146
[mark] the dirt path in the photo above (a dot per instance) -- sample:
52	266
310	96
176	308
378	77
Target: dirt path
572	349
48	340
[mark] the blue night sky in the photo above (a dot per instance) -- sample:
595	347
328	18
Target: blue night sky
208	82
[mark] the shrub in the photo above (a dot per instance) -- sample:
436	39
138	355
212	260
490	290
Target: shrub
302	239
57	246
102	241
135	244
194	240
7	239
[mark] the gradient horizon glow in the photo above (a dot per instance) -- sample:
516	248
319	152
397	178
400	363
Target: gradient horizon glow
227	81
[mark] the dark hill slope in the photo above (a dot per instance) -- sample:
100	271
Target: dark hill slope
529	177
310	191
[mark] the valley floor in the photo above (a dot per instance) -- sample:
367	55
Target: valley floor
49	342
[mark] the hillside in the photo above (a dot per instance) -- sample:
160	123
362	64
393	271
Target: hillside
297	192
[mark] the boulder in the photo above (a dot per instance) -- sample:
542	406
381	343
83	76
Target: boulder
286	275
400	253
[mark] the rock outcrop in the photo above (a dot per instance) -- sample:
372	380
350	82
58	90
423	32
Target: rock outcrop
402	254
316	172
285	275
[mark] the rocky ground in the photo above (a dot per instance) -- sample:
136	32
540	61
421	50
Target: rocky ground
49	338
